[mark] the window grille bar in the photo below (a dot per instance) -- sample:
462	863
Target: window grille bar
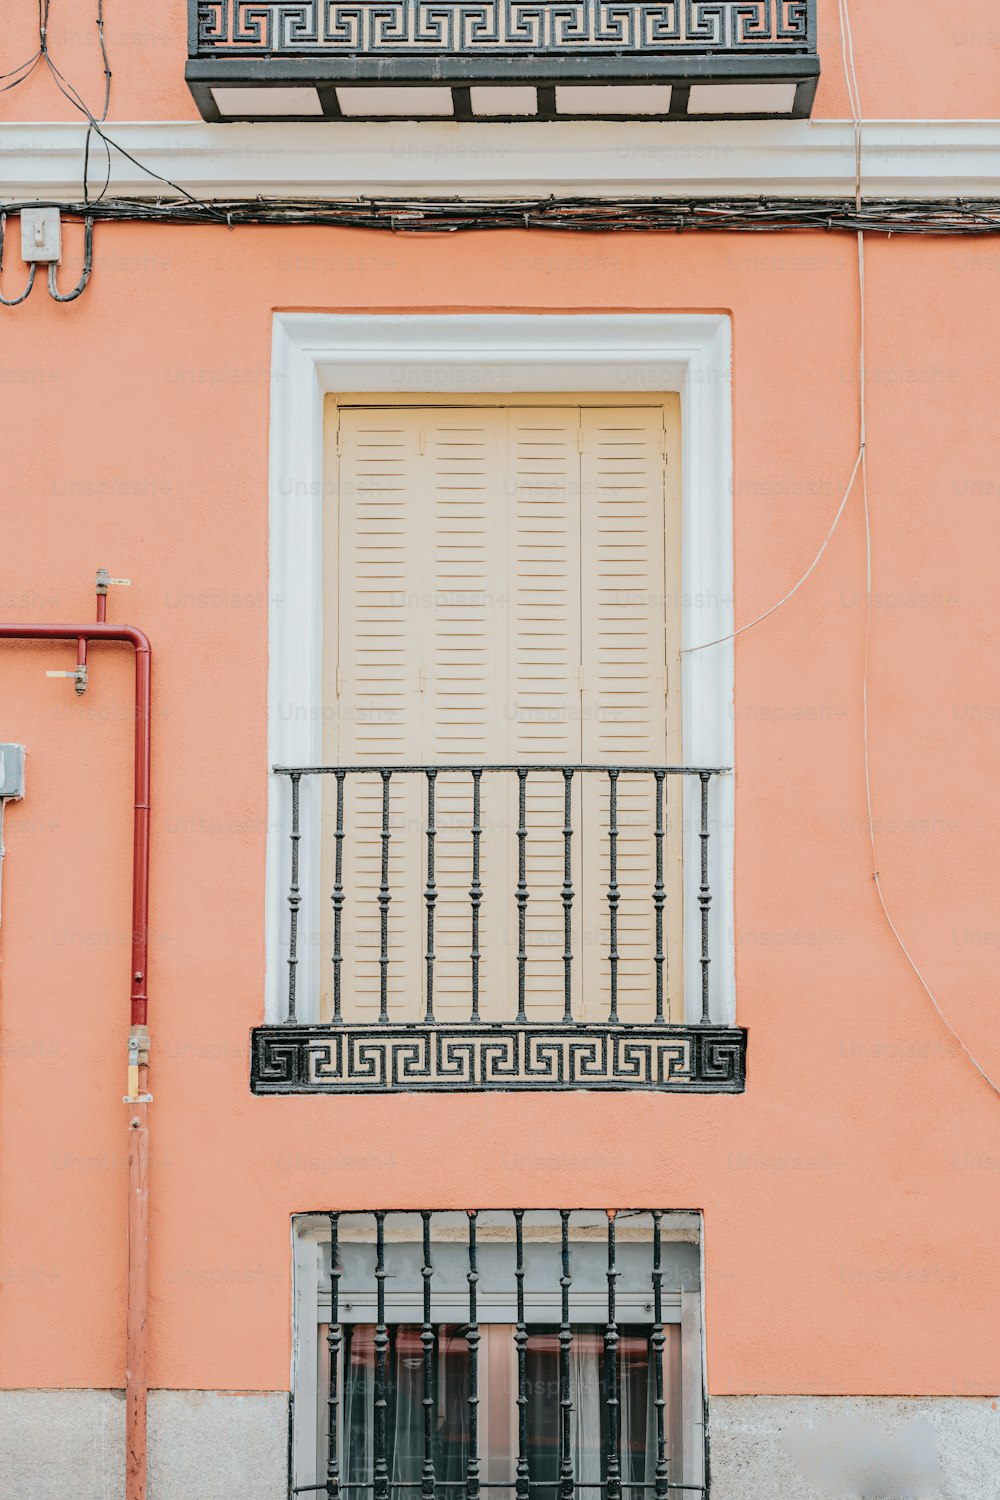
612	1402
334	1339
476	889
427	1340
522	892
338	899
522	1483
613	893
659	895
704	900
567	895
658	1340
430	894
383	905
566	1485
493	1484
472	1480
294	899
381	1479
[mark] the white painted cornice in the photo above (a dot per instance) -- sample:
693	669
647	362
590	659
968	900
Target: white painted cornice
902	158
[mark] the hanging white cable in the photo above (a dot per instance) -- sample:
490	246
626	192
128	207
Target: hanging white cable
704	645
853	92
871	816
851	78
854	99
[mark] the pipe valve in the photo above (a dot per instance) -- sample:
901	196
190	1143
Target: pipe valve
79	676
138	1054
105	581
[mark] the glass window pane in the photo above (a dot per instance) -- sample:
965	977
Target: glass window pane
590	1432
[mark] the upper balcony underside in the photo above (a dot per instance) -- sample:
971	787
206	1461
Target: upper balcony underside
502	59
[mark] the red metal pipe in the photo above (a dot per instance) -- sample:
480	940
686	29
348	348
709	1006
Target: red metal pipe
102	631
138	1151
136	1343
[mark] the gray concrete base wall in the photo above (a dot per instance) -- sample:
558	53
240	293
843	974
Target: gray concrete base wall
56	1444
219	1445
854	1448
203	1445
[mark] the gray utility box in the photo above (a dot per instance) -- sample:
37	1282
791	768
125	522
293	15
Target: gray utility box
11	771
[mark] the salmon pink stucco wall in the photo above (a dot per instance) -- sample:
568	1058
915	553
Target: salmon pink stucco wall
934	59
851	1212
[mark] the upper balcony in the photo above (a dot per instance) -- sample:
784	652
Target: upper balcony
502	59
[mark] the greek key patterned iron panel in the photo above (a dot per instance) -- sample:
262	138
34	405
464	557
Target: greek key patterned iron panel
301	27
385	1059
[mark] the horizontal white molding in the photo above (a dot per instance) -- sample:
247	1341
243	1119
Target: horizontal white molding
802	158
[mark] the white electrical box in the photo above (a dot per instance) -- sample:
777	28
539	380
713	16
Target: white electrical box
41	234
11	771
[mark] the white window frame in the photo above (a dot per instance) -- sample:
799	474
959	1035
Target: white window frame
314	354
310	1309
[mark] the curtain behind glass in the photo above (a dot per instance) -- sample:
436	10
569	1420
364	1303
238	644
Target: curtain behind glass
590	1432
452	1413
404	1413
359	1397
586	1358
405	1427
638	1414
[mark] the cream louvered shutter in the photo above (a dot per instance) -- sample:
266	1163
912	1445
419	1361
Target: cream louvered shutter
627	578
497	595
542	705
376	689
420	651
462	634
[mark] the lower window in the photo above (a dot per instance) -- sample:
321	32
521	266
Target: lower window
544	1355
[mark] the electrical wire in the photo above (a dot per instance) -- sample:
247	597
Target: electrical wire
14	301
95	123
23	71
889	216
76	99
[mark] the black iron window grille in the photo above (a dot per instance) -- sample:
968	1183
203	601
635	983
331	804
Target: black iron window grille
561	1041
541	1355
502	59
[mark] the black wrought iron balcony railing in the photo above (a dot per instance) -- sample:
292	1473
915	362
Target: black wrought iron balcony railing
502	59
508	927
